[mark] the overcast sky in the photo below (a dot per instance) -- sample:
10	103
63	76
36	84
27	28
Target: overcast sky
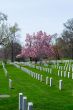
35	15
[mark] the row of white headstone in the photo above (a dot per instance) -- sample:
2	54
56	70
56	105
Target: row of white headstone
22	99
49	70
70	69
60	73
35	75
40	77
51	82
6	72
23	105
66	66
65	74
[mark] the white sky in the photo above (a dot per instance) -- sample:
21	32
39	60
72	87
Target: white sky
35	15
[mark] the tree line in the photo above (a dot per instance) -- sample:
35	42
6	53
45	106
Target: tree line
9	46
37	46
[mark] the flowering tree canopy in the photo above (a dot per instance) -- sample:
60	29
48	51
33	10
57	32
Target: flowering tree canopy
37	46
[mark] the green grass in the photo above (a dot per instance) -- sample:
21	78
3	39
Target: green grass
42	96
3	82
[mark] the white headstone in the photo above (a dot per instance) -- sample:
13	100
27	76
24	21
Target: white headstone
24	105
20	101
10	83
72	69
64	73
50	71
68	74
30	105
50	82
60	84
58	73
38	76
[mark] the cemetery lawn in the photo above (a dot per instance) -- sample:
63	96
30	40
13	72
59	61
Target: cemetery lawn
42	96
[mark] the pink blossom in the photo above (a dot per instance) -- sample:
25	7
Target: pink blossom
37	45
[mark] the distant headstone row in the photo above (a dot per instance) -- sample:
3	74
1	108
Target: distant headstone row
40	77
5	70
65	74
49	70
6	73
63	71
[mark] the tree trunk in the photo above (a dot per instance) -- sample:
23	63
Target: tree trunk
12	52
72	52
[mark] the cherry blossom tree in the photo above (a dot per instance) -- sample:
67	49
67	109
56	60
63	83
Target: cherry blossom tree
38	46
